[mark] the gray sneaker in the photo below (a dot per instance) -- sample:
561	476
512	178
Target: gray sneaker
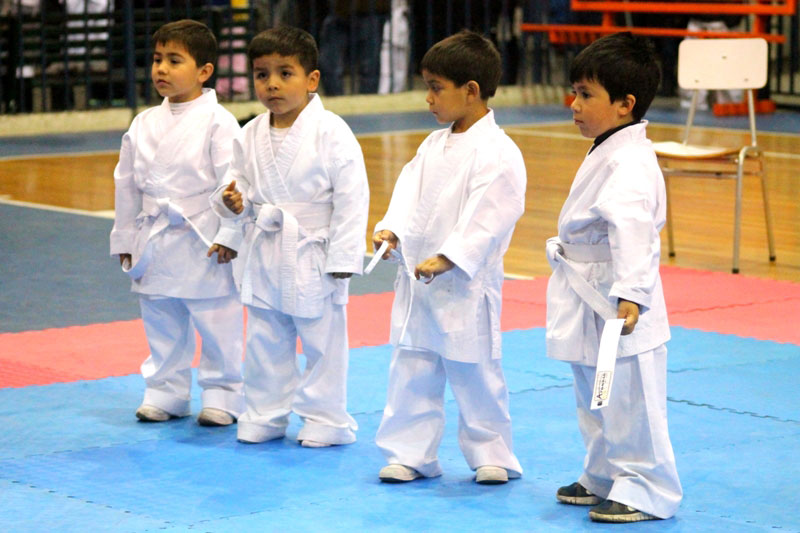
210	416
577	494
491	475
151	413
615	512
398	474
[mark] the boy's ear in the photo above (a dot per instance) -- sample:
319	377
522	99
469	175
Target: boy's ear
313	81
626	105
205	72
473	89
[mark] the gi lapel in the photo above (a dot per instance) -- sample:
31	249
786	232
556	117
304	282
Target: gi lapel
276	167
439	169
178	128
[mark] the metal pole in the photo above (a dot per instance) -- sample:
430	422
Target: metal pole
130	63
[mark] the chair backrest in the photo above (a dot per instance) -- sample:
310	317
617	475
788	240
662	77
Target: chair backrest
722	63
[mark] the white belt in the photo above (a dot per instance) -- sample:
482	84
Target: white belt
292	220
583	253
175	212
566	255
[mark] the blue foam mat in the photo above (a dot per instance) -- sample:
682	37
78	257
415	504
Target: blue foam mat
80	272
73	458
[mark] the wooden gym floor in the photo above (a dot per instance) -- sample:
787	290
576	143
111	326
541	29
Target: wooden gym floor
702	209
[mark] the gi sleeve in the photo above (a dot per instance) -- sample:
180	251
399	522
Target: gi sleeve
495	202
630	204
404	196
348	227
127	198
236	171
225	133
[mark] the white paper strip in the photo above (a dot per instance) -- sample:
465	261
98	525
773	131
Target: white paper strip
376	257
606	359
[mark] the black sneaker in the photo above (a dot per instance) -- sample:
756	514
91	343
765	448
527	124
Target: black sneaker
577	494
615	512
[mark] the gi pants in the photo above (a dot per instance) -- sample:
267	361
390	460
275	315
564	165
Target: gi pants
413	420
170	327
629	456
274	386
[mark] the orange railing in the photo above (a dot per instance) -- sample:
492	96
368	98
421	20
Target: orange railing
583	34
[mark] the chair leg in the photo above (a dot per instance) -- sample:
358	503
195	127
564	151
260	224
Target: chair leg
767	214
670	239
737	217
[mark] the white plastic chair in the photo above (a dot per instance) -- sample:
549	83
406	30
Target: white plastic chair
716	64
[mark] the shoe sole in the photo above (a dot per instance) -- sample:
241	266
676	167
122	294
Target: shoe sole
207	422
315	445
621	518
399	478
491	481
144	418
579	500
396	480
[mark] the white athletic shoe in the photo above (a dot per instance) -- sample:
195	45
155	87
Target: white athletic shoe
210	416
398	474
151	413
491	475
314	444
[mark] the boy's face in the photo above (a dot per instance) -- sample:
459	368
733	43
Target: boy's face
593	111
175	73
446	101
282	85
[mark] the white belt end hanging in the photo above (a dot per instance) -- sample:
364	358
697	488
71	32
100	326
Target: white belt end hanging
606	360
377	257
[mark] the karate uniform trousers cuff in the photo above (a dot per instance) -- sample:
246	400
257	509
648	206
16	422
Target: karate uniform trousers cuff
170	403
327	434
251	432
229	401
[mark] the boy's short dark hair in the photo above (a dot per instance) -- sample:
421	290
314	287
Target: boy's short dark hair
463	57
623	64
194	36
285	41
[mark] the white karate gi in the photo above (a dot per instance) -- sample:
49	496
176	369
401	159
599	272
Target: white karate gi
462	203
305	217
169	164
609	231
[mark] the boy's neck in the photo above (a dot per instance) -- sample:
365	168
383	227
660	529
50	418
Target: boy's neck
608	133
287	120
474	113
189	98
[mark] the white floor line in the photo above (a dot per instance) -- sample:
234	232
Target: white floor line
576	136
107	213
58	154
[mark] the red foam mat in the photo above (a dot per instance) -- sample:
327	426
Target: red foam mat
72	353
690	290
709	301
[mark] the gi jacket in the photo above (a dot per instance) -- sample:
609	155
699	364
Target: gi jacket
305	212
617	199
178	159
464	205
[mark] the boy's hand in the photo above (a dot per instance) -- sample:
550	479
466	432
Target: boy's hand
224	254
123	258
380	237
432	267
232	199
630	312
341	275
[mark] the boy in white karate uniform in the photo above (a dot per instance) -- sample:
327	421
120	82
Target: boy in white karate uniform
449	223
608	233
298	187
172	157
